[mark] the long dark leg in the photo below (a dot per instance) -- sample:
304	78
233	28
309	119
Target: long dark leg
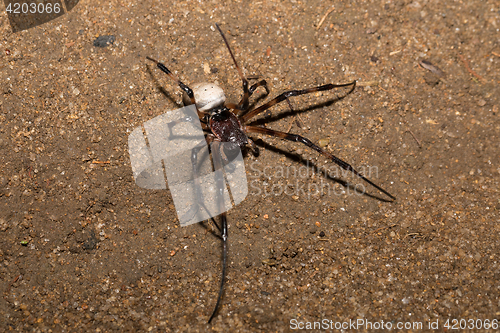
188	119
286	94
184	87
217	159
224	264
307	142
240	72
243	104
220	200
196	181
247	92
242	107
199	201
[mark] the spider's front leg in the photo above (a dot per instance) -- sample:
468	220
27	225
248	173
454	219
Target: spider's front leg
184	87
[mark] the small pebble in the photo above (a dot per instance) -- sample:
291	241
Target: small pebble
104	41
323	142
269	262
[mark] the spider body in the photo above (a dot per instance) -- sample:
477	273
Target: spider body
227	123
227	128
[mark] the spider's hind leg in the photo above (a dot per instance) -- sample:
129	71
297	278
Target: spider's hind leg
307	142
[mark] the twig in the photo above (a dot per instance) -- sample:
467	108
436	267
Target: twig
291	124
413	135
466	64
300	122
324	17
413	234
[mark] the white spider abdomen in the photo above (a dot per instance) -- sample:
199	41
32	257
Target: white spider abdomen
207	96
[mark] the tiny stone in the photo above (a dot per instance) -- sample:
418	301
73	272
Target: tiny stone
104	41
323	142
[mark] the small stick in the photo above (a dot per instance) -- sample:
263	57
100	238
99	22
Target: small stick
291	124
324	17
298	121
413	234
413	135
466	64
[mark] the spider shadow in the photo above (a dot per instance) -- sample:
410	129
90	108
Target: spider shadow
160	88
323	171
205	225
289	113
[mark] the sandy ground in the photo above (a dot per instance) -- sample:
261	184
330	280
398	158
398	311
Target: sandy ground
84	249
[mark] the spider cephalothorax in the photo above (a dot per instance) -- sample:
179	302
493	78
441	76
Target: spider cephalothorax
227	127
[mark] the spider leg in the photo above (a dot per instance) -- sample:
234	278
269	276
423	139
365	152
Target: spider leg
307	142
184	87
247	92
243	104
187	119
240	72
254	147
218	166
190	214
286	94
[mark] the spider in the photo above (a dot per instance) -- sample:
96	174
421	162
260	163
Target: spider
228	123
